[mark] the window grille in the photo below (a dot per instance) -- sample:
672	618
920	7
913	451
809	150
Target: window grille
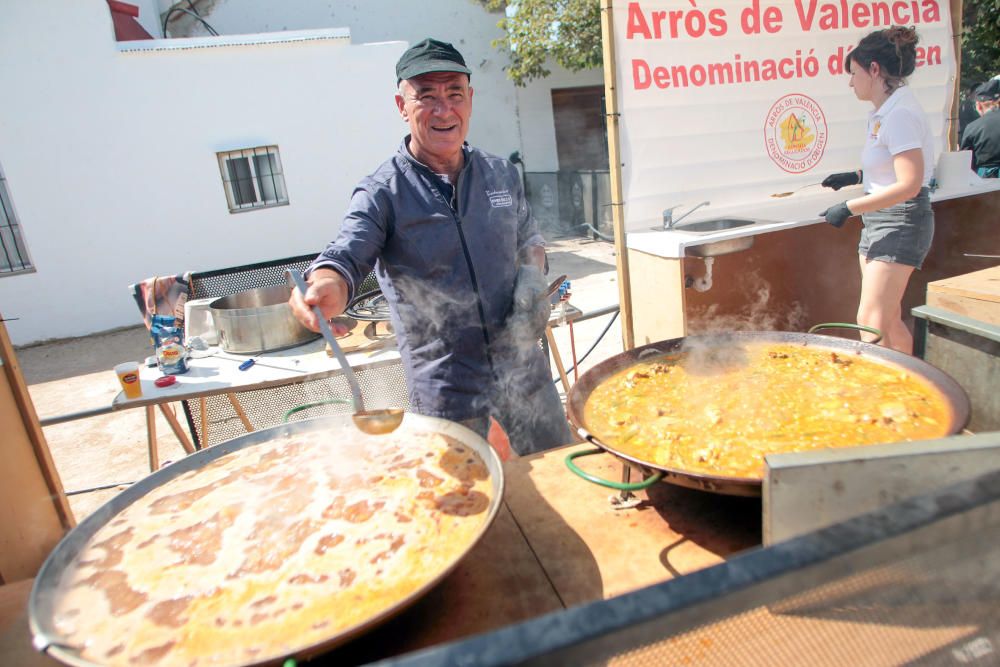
253	178
13	253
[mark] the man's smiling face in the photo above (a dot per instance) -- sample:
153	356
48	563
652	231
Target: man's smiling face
437	107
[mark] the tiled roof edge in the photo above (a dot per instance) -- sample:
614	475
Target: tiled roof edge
237	40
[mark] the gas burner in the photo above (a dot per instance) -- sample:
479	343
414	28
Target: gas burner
369	306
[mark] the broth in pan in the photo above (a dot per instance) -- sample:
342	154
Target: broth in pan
720	410
273	548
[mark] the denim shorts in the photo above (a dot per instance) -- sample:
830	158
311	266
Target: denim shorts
900	234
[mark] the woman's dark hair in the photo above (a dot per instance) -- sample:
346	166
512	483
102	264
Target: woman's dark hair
894	49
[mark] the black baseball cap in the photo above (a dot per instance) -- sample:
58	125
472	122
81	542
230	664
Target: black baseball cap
430	55
989	91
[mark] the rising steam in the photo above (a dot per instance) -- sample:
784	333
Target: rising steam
757	315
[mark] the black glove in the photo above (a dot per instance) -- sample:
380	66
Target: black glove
837	215
842	179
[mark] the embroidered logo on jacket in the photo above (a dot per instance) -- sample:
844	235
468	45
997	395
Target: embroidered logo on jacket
500	198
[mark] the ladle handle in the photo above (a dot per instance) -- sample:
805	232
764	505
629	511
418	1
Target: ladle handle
324	328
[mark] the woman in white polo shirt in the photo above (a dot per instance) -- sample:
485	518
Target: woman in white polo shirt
897	165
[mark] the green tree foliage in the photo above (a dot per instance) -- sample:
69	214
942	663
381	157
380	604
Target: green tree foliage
980	41
569	31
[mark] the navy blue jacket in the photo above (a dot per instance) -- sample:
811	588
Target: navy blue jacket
446	260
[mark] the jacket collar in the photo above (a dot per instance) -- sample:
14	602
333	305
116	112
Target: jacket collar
404	151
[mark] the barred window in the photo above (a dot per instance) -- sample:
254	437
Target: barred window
253	178
13	253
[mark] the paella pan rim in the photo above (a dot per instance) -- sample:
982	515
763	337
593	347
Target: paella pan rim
46	638
951	391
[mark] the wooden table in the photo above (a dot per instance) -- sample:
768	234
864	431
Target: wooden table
15	639
556	543
975	295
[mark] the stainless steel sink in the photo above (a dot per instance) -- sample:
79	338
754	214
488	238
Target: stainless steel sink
712	225
717	225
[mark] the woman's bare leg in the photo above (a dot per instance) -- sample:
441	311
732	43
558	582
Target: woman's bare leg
882	287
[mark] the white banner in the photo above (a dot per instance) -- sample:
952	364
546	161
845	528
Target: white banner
732	101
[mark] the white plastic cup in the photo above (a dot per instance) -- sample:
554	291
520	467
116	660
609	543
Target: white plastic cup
128	377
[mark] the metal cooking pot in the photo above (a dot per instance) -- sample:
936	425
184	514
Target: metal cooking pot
258	320
41	605
953	393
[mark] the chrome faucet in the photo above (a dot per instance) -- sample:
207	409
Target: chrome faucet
668	215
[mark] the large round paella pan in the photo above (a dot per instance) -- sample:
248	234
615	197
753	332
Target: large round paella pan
281	543
702	411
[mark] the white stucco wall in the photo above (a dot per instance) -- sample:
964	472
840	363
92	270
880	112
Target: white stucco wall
110	157
505	118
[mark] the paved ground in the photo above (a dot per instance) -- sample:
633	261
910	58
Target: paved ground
109	450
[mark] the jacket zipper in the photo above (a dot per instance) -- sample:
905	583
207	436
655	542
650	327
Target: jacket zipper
472	272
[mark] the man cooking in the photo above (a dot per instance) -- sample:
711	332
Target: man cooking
459	258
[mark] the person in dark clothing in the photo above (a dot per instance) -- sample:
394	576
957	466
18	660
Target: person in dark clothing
459	259
982	136
967	109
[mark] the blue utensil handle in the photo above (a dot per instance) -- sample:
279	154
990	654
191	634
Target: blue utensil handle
247	364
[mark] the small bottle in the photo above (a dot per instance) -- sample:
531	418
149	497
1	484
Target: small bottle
563	294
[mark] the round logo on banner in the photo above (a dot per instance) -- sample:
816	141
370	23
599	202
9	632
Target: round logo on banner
795	133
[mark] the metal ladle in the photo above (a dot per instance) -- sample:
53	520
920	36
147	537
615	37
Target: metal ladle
372	422
792	192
